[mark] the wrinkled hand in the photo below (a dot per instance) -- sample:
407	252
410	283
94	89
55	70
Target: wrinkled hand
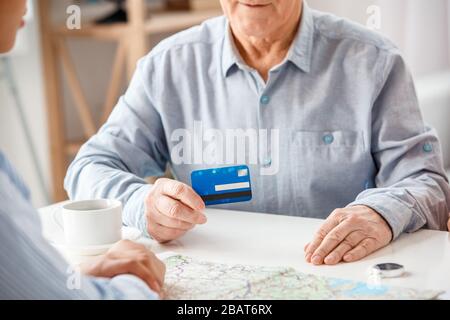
172	209
127	257
348	235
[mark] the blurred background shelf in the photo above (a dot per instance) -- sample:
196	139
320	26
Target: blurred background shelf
163	22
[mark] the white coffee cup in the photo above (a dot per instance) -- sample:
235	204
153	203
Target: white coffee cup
92	222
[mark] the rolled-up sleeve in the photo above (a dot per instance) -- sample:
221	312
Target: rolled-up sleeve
411	186
128	148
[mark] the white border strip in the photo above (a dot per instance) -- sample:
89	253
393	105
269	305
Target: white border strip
232	186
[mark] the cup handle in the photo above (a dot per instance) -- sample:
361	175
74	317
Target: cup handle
56	217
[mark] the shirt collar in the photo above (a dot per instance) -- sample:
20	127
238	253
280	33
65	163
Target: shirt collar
299	54
230	55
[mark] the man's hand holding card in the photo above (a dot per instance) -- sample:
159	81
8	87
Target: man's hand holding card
173	208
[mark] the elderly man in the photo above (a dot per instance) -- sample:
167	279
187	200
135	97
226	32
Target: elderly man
347	140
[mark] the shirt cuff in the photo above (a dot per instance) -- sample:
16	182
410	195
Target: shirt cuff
396	214
134	209
122	287
133	288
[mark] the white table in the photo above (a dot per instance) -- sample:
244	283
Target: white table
273	240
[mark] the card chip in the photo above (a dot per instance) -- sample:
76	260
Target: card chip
242	173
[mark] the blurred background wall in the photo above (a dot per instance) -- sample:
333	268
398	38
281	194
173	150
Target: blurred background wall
420	28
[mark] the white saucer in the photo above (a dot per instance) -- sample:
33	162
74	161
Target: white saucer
128	233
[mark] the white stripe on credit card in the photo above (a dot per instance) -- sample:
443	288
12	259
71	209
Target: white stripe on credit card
232	186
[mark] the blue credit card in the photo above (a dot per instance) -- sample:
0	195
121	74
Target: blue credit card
223	185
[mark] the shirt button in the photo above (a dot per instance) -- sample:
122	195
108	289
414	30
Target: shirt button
265	100
328	138
427	147
267	163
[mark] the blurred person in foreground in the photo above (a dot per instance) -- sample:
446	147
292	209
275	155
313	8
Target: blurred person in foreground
30	268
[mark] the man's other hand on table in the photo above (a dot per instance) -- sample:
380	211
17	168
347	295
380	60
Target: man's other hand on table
348	235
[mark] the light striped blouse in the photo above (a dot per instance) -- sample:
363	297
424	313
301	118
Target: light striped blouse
30	268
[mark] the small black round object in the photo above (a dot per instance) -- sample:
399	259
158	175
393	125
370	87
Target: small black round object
389	266
388	270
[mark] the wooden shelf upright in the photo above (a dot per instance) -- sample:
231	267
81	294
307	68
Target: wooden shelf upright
131	39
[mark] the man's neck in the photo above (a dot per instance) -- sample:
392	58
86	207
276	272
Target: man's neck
263	53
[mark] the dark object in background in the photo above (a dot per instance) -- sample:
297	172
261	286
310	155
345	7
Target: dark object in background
120	14
117	16
175	5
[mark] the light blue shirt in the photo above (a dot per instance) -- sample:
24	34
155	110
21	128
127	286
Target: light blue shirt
342	109
30	268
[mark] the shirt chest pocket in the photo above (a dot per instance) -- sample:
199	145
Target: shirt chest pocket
328	157
328	167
